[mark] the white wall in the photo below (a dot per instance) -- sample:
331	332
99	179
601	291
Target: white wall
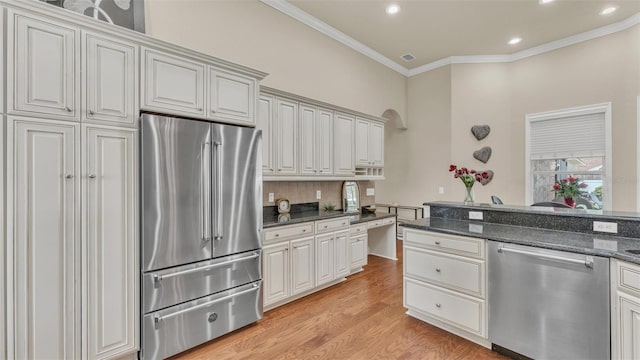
298	59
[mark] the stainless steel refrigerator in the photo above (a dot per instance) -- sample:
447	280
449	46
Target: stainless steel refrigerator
201	232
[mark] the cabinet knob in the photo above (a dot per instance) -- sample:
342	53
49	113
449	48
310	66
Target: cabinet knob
200	109
91	112
437	269
304	230
325	226
277	235
212	111
68	109
68	176
438	305
92	176
437	242
286	249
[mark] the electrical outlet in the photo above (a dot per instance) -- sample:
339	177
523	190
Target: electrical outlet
441	190
318	194
271	197
603	226
371	191
475	215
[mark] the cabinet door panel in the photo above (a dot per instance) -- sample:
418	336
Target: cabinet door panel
287	125
110	80
376	144
232	97
362	142
344	145
276	272
629	327
358	251
325	142
324	259
43	239
173	84
43	67
111	240
265	121
341	253
307	149
302	265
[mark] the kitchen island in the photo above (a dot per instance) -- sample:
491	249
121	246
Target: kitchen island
537	281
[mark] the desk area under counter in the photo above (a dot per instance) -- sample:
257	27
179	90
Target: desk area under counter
310	250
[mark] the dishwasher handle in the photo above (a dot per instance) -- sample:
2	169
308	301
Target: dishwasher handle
588	261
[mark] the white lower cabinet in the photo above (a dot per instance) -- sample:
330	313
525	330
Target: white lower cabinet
298	259
445	282
358	251
71	260
625	310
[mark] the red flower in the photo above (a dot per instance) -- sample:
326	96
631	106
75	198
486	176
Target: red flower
485	175
478	177
556	186
456	175
565	180
572	179
452	167
464	170
473	171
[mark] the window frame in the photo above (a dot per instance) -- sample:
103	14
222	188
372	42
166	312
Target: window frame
604	108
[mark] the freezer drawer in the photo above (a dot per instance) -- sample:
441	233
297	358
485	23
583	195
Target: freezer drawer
178	328
177	285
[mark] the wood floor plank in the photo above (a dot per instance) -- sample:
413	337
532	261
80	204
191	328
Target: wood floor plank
361	318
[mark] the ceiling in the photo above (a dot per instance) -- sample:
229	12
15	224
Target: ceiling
433	30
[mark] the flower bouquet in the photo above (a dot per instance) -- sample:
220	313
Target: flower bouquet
569	188
468	177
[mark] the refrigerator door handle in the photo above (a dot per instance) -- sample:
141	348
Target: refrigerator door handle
206	192
218	189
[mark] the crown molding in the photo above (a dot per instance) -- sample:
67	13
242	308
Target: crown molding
295	12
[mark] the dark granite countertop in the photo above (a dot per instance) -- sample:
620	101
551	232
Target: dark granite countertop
590	244
270	220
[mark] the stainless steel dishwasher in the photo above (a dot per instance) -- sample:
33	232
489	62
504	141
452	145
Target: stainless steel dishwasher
547	304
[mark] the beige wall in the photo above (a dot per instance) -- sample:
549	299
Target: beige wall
597	71
415	157
298	59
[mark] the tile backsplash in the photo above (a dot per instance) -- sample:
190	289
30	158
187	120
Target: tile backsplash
305	192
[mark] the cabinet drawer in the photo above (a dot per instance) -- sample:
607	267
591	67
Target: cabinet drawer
459	310
450	271
358	229
460	245
286	232
381	222
331	225
629	277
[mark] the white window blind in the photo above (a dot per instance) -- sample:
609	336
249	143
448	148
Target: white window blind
575	136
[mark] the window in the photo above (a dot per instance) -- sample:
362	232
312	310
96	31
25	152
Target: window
570	142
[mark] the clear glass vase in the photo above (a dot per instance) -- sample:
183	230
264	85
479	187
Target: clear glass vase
468	198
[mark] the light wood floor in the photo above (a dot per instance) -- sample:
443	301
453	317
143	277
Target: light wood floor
361	318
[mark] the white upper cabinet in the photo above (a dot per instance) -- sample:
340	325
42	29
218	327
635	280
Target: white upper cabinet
324	140
307	149
232	97
110	79
110	239
265	121
287	142
376	144
362	142
369	143
43	239
43	67
172	84
343	144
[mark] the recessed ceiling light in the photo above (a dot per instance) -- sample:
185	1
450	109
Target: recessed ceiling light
514	41
408	57
542	2
393	9
608	10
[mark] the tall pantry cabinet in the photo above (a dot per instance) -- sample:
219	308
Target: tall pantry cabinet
71	200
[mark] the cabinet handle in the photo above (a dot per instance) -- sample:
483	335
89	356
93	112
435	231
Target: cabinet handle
438	305
358	229
277	235
92	176
304	230
68	176
344	223
68	109
437	242
437	269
